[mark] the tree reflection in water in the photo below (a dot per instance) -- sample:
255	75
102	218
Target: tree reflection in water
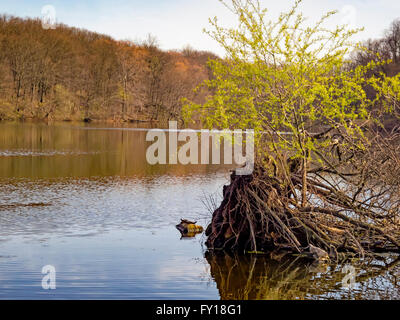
281	276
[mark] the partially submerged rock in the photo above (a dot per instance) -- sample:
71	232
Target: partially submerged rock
318	253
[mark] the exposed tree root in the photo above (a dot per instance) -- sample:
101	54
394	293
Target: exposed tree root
260	212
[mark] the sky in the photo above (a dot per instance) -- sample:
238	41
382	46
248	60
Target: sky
178	23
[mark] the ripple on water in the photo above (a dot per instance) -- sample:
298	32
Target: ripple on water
115	237
68	206
42	153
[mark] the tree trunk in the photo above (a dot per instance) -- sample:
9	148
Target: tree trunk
304	182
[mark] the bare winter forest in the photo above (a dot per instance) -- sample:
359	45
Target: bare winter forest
71	74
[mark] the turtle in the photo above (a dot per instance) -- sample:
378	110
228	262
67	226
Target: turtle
187	226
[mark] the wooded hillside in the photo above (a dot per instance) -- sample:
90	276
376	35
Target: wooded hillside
73	74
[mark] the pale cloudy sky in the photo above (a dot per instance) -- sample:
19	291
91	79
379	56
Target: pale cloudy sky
177	23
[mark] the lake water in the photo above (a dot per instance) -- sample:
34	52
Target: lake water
83	198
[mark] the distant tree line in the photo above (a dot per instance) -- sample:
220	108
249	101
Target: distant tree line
387	50
73	74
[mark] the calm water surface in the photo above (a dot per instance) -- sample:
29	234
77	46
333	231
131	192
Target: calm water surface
84	199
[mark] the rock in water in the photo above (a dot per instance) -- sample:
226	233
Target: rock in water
318	254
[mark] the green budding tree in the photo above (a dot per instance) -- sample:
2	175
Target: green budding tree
293	82
289	78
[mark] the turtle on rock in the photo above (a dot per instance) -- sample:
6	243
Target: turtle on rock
189	228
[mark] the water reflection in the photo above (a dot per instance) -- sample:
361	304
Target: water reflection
74	150
84	199
266	277
66	206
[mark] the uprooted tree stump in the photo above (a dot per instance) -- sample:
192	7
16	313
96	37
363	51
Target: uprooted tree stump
259	213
